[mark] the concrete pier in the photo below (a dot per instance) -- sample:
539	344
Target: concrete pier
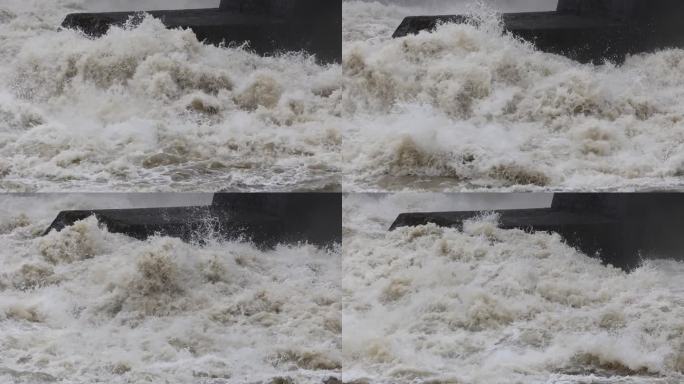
588	31
267	219
268	26
621	229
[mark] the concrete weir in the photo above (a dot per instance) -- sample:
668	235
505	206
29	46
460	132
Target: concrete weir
621	229
588	31
267	219
268	26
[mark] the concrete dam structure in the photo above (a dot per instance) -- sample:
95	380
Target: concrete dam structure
588	31
621	229
267	219
268	26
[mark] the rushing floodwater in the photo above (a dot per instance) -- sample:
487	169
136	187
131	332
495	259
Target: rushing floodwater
84	305
468	108
492	306
153	109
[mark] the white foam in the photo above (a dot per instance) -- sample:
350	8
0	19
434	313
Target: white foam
85	305
147	108
486	305
467	108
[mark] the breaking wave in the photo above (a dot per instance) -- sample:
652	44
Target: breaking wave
466	107
146	108
486	305
85	305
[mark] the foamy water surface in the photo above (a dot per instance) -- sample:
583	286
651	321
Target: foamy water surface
467	108
485	305
84	305
150	109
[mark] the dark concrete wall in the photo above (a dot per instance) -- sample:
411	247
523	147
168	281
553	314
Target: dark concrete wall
666	11
618	228
650	223
267	219
313	26
313	216
319	21
617	9
265	7
287	8
585	6
587	203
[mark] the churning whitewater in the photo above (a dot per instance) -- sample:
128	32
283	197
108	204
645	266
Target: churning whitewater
491	306
468	107
146	108
84	305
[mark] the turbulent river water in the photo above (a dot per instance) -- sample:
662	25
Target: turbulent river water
469	108
84	305
461	108
146	108
489	306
